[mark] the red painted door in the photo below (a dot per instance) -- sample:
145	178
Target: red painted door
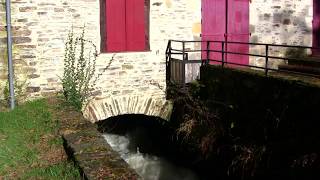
316	27
213	26
224	20
238	30
135	25
115	26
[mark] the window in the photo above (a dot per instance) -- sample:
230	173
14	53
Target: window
125	25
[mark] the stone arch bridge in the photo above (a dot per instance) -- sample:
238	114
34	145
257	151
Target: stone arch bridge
98	110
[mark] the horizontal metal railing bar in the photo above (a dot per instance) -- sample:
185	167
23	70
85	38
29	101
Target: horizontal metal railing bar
174	59
220	61
178	50
177	53
196	50
269	69
244	54
262	68
228	52
283	58
256	55
189	41
191	61
219	46
249	43
244	65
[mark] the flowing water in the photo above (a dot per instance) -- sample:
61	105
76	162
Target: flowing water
149	167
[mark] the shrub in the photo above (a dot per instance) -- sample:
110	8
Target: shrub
79	77
79	69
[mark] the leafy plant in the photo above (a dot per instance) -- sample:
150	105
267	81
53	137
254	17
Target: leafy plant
79	78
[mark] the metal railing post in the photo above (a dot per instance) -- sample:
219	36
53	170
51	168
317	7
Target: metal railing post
168	61
183	64
222	52
208	52
267	60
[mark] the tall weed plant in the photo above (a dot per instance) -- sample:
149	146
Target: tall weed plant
79	76
79	69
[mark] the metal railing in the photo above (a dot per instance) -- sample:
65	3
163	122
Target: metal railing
176	67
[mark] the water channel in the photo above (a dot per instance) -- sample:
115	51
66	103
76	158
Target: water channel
148	146
149	167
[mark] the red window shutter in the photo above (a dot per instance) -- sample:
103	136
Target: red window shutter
115	25
135	25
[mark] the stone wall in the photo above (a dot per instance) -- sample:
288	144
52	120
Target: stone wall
279	22
41	27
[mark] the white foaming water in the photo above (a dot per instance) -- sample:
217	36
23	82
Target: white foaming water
147	166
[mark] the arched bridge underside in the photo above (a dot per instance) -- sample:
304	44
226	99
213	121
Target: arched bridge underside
103	109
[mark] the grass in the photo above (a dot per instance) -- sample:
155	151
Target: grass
30	146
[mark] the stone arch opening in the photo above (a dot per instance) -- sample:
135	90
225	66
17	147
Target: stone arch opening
147	143
98	110
149	133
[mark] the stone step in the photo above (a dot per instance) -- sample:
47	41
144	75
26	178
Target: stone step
311	61
312	70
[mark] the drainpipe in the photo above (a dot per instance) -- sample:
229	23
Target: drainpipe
9	47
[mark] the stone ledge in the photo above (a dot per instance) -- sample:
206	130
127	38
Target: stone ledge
92	154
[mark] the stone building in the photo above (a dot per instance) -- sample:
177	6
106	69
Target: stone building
40	28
